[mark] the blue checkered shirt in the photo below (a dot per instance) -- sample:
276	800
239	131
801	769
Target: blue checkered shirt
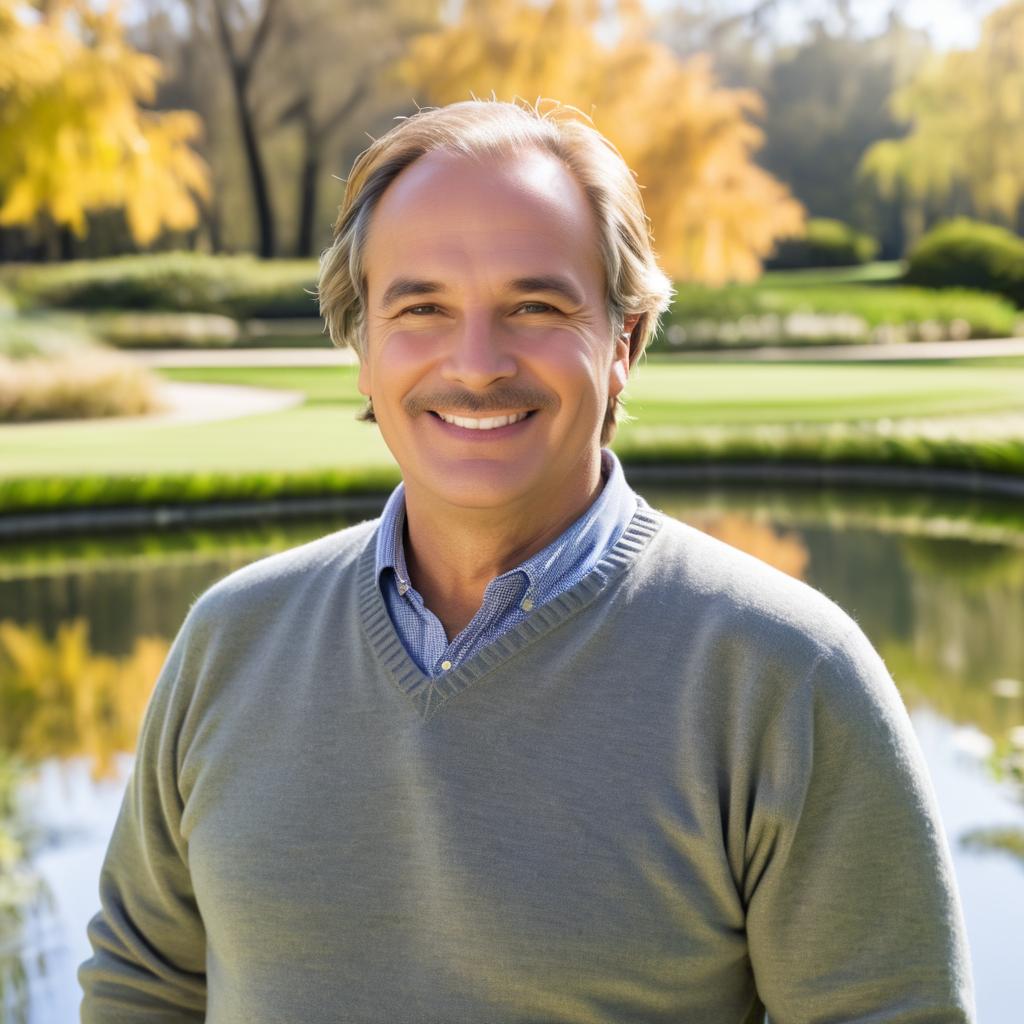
510	597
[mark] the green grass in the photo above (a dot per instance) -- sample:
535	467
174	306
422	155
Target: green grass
879	272
319	384
830	412
706	393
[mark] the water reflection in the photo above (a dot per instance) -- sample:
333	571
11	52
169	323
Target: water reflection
938	585
24	898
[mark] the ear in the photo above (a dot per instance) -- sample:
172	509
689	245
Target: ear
618	373
629	325
622	358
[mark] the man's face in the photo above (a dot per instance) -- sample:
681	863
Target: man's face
489	353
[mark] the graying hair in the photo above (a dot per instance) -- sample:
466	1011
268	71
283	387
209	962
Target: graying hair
479	129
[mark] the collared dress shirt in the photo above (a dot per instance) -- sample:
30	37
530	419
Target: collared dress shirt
510	597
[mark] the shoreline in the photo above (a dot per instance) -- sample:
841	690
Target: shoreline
80	521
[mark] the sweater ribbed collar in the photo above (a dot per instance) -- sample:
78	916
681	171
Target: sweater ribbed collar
431	694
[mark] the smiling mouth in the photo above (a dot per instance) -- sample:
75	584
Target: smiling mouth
482	422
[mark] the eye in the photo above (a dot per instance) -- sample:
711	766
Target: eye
537	307
425	309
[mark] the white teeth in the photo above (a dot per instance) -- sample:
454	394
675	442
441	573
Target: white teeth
488	423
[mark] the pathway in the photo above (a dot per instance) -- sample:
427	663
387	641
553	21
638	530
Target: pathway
979	348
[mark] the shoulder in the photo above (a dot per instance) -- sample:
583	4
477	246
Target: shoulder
691	571
757	646
740	626
277	581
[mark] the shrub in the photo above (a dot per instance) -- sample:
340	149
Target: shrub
166	330
75	385
238	286
968	254
42	335
746	316
827	243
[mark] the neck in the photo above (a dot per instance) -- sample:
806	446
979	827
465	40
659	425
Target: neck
452	553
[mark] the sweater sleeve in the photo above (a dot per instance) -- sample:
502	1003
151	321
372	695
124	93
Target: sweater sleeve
149	944
852	908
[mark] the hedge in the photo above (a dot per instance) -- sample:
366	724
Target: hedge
963	253
745	316
827	243
241	287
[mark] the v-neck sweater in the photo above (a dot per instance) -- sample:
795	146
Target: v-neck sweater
684	790
509	597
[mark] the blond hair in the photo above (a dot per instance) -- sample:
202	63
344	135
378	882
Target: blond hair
635	285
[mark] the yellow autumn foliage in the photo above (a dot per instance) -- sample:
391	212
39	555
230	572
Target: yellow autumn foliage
966	110
74	134
61	699
715	214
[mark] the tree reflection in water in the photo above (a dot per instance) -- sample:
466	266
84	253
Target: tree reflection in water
937	586
60	700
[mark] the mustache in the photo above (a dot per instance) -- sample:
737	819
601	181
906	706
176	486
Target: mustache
499	398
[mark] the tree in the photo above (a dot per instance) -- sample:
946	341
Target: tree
715	213
966	109
827	102
242	31
334	61
74	134
288	87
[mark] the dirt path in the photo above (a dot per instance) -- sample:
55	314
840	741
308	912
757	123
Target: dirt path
977	349
184	403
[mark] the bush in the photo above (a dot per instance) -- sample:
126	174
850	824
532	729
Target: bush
22	337
166	330
74	386
747	316
967	254
237	286
828	243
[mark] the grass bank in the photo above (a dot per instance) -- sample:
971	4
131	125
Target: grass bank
934	414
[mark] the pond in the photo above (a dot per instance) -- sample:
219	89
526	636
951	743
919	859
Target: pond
936	583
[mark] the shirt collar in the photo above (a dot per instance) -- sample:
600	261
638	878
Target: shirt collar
612	508
390	546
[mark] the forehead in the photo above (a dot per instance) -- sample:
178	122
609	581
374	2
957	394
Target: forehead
478	221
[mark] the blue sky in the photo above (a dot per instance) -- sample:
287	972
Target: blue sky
952	24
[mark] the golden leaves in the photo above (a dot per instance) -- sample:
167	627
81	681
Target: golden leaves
73	136
715	214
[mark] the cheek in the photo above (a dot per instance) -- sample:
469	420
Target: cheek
398	363
572	366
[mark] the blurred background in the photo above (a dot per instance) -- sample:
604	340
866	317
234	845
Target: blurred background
837	190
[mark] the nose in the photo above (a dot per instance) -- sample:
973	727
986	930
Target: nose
477	355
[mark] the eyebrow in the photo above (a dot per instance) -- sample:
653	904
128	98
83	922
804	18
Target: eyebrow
404	287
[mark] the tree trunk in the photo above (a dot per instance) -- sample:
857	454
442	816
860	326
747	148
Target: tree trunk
308	185
257	177
240	68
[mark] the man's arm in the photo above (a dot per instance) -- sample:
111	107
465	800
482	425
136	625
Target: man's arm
149	944
852	909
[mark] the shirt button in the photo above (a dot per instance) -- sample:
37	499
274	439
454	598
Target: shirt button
445	665
526	604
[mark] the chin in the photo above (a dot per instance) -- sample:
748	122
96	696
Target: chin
480	485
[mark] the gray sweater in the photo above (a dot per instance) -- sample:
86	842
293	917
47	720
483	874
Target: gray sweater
685	790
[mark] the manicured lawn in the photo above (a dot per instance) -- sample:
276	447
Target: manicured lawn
709	393
826	411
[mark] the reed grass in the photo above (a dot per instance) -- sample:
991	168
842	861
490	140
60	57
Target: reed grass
75	385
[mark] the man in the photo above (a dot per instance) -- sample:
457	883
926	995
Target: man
523	749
